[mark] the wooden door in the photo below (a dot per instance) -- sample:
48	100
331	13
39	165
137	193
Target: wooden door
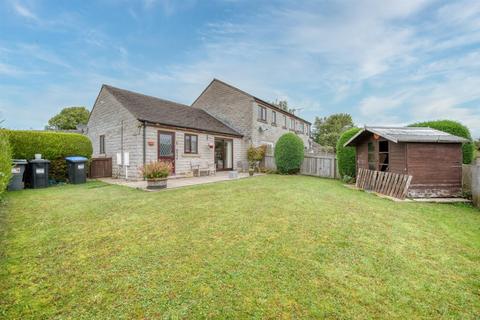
166	147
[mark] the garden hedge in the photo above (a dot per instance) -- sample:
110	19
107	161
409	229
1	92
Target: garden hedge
289	153
455	128
5	162
53	146
346	155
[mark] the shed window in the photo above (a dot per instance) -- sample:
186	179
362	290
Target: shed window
102	144
372	165
191	143
292	124
383	155
274	118
301	127
285	121
262	113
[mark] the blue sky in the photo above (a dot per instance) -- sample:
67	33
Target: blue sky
384	62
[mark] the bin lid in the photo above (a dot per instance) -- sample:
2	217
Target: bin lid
39	161
19	161
76	159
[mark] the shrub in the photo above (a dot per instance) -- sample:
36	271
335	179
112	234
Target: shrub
346	155
455	128
5	162
156	170
53	146
289	152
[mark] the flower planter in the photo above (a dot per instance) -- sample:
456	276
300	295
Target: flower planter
154	184
251	172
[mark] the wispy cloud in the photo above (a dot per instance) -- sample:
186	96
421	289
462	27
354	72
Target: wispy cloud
24	11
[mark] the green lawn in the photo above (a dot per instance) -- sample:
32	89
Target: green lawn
266	247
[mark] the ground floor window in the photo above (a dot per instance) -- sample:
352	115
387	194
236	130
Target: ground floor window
383	158
372	163
102	144
191	143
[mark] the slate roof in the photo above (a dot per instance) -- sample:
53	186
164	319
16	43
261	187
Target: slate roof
409	134
164	112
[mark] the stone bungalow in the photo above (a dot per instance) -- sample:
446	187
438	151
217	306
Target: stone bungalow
215	131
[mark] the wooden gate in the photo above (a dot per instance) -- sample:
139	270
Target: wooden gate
388	183
100	168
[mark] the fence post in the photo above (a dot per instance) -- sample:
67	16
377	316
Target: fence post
476	184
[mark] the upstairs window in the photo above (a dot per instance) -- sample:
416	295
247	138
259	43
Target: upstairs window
284	121
102	144
292	124
274	118
191	143
262	113
301	127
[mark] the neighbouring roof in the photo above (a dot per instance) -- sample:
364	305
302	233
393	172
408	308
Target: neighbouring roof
257	100
164	112
408	134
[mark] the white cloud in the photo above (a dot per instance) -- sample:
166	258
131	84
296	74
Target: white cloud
24	11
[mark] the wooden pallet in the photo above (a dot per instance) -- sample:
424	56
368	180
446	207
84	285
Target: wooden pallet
388	183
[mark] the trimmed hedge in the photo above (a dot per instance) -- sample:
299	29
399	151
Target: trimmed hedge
455	128
53	146
289	153
346	155
5	162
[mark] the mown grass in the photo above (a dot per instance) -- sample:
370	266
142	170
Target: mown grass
266	247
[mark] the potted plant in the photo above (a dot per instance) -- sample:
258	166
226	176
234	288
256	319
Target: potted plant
156	174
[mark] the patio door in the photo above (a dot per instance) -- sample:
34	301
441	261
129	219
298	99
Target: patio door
223	154
166	147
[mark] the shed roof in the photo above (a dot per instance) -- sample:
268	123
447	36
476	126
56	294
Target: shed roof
408	134
164	112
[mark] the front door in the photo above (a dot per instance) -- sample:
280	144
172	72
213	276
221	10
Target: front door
166	147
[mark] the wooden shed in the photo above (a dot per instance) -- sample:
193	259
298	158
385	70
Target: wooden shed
433	158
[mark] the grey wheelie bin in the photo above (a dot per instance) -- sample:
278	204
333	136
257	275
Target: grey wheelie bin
18	171
38	173
77	169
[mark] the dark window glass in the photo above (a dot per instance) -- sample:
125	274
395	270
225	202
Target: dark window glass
102	144
191	143
274	117
372	165
262	113
383	156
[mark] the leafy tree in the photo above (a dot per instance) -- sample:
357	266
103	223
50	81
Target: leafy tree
328	129
69	118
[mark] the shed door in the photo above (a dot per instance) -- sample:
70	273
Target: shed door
166	147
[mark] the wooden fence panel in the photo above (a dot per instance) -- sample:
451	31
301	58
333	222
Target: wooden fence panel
312	165
391	184
100	168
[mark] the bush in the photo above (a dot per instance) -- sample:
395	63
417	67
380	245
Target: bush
455	128
156	170
346	155
53	146
289	152
5	162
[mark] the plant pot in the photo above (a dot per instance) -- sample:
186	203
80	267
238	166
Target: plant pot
251	172
154	184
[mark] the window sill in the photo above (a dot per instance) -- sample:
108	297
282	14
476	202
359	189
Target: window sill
274	124
260	120
191	155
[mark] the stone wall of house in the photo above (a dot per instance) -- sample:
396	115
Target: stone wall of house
110	119
271	132
183	161
232	107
